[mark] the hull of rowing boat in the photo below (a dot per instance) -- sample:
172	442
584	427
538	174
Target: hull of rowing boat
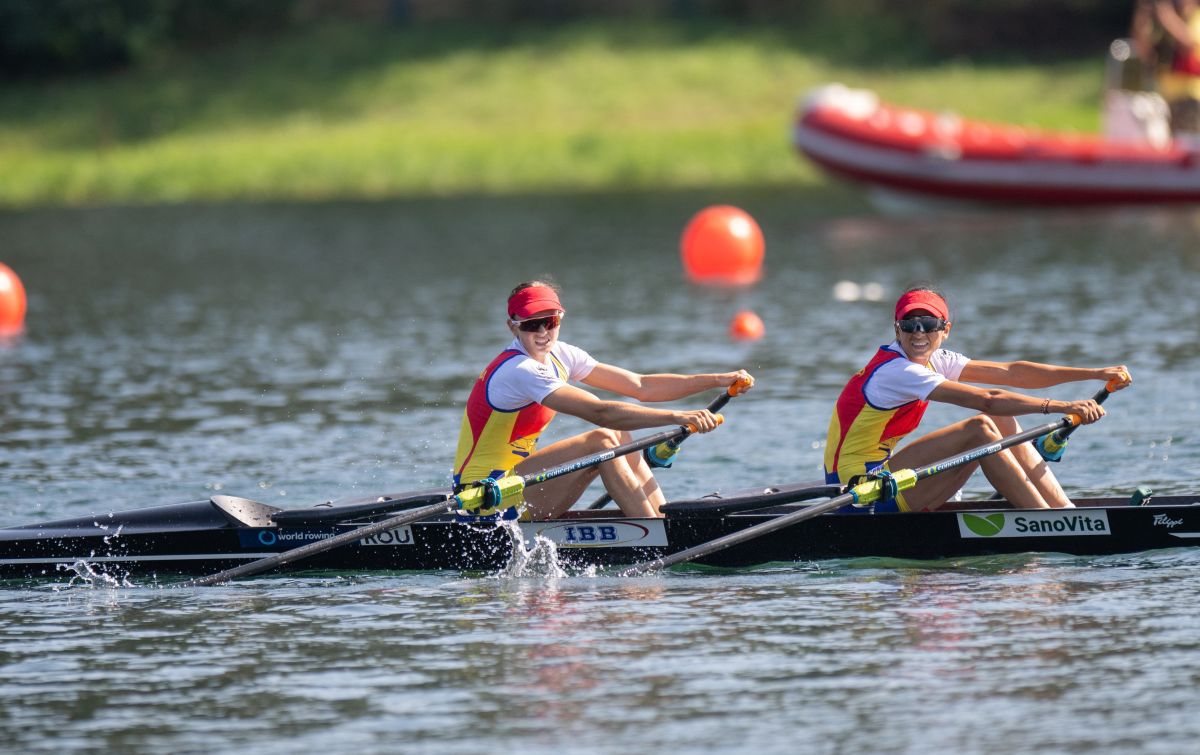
198	538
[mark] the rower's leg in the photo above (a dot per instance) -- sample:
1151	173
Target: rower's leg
1035	467
946	441
1001	469
628	479
630	482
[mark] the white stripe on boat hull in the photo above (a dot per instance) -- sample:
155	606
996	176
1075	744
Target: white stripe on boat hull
119	559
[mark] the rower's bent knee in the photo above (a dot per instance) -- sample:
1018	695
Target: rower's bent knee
983	428
604	438
1006	425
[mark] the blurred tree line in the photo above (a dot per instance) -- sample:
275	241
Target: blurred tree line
47	37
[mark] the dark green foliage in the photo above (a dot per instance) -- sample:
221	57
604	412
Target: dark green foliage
39	37
57	36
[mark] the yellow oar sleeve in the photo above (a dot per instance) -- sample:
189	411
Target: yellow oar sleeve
505	493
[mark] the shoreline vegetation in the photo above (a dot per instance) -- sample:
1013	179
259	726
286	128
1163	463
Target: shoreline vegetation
351	110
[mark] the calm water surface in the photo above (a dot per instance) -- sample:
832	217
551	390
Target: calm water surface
297	353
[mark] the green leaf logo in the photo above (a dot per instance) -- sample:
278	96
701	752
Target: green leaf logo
984	526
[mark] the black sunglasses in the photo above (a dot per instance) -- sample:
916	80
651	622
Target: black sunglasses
922	324
533	326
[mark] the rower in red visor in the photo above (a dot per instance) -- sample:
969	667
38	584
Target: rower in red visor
885	401
518	393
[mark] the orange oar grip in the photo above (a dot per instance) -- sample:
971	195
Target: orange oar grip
720	421
1115	383
1075	420
740	386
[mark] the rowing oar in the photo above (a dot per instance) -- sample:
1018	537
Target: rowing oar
484	499
863	493
661	454
1051	445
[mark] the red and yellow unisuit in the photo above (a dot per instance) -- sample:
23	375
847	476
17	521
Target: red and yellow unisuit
861	436
492	441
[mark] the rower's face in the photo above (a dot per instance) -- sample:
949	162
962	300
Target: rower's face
920	346
538	333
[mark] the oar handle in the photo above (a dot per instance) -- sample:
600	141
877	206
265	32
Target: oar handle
737	388
692	428
1101	396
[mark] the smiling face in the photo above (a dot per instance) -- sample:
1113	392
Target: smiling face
538	342
919	347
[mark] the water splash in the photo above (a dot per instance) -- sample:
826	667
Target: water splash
536	559
87	575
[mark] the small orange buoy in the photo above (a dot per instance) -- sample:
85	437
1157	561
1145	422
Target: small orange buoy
12	301
746	326
722	245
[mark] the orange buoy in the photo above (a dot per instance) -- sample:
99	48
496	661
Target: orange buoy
722	245
12	301
746	326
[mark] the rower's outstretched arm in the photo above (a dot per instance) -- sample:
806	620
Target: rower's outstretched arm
1028	375
661	386
621	415
1002	403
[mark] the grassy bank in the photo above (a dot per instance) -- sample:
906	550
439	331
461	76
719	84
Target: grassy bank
361	111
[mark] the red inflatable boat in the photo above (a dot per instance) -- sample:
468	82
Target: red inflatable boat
853	135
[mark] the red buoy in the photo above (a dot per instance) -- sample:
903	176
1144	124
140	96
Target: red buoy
12	301
722	245
746	326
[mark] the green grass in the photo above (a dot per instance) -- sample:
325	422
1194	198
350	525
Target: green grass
361	111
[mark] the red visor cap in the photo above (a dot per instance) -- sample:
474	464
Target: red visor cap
926	300
529	301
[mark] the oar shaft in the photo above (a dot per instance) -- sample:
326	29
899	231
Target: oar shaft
1069	422
603	456
854	496
312	549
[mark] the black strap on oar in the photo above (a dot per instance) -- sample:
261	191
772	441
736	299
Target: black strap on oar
669	447
1052	445
866	492
470	498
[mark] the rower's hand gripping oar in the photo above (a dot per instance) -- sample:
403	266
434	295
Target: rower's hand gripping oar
472	499
863	493
1052	445
663	454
